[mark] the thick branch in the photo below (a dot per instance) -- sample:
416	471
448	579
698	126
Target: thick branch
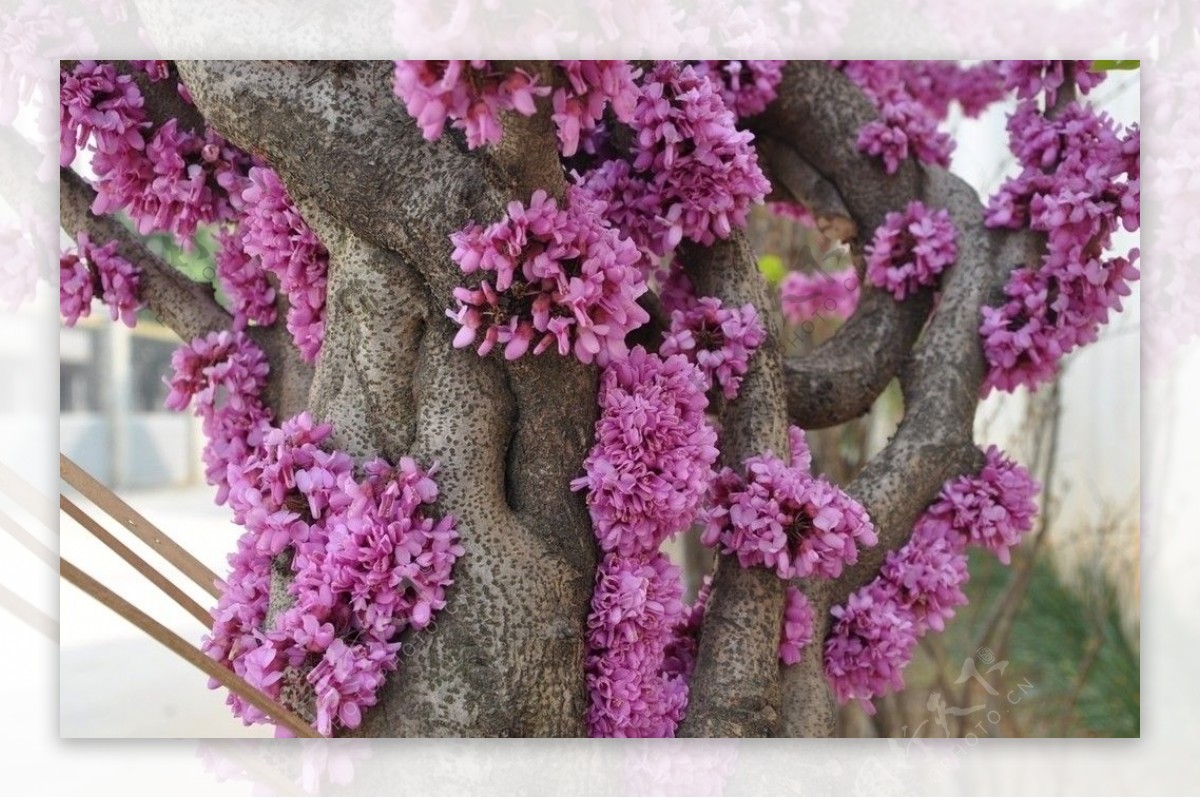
809	134
941	383
340	137
796	179
735	690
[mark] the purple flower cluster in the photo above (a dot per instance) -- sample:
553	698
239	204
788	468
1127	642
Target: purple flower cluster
869	645
936	84
637	609
1031	79
920	584
819	295
244	280
747	87
693	175
472	94
75	288
906	126
98	104
994	508
719	340
796	631
1080	182
367	559
118	281
557	276
591	86
651	463
222	374
274	232
911	249
780	516
647	474
176	183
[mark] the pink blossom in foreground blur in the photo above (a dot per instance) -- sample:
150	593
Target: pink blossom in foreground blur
819	295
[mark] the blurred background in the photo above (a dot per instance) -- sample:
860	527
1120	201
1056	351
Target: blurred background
1046	647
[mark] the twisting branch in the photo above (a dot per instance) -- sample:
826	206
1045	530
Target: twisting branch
342	139
816	119
796	179
735	690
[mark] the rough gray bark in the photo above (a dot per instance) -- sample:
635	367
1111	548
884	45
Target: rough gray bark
505	657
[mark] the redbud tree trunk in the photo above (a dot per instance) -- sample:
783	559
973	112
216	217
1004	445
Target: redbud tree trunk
505	657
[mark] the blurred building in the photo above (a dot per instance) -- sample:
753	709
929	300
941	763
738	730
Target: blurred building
112	419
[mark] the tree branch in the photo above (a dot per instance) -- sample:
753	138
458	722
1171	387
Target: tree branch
186	306
809	134
735	690
341	138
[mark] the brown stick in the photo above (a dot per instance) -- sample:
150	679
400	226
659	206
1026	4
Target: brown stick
135	522
128	555
161	634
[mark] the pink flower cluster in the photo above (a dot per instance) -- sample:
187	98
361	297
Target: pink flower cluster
637	609
920	585
470	93
693	174
367	560
906	126
819	295
273	231
75	288
747	87
1033	78
557	276
244	280
719	340
796	630
591	86
97	104
936	84
1080	182
651	463
647	474
175	184
993	508
119	282
911	249
221	375
780	516
172	180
